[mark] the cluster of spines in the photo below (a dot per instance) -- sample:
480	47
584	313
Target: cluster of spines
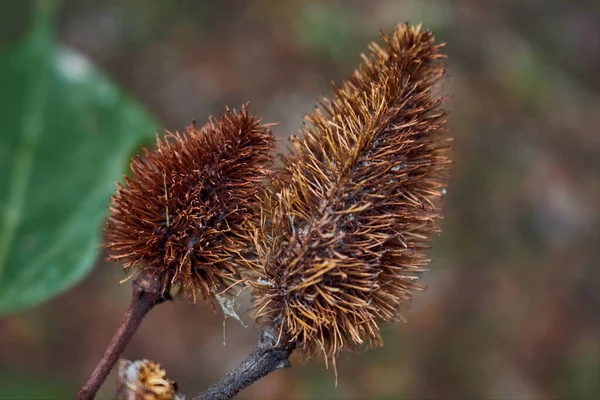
188	213
343	233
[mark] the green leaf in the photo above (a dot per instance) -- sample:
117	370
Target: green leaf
66	132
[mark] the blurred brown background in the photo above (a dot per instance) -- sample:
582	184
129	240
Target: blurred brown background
512	306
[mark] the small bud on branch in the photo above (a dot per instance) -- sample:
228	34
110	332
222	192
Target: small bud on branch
145	380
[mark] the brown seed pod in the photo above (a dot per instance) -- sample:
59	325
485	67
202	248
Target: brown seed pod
188	213
353	209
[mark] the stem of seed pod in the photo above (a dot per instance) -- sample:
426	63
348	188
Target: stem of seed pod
270	354
147	292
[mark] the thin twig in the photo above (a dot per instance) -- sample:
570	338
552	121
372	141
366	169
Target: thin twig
146	293
269	355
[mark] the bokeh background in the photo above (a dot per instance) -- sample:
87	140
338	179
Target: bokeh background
512	306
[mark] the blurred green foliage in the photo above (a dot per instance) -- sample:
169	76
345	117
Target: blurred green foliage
326	30
17	385
66	132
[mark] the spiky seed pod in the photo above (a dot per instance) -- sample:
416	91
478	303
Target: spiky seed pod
188	213
356	204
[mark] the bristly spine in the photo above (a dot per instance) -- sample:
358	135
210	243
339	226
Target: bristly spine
187	214
344	231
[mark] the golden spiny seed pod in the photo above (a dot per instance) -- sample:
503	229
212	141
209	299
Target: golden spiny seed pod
353	209
188	214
